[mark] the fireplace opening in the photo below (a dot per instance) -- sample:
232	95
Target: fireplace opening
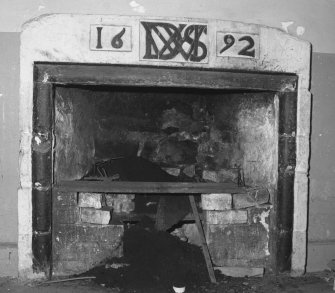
166	135
118	154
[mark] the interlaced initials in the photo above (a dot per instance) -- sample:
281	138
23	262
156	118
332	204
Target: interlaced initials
164	41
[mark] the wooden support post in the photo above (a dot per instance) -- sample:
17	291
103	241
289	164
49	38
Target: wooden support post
203	240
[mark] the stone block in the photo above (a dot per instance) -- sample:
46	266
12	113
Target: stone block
70	215
110	199
260	214
299	251
69	267
238	245
77	248
192	234
65	233
300	201
216	201
302	153
304	113
64	208
127	207
125	196
251	198
121	203
220	176
225	217
172	171
210	175
189	171
69	251
87	232
90	200
61	199
123	206
94	216
173	152
174	119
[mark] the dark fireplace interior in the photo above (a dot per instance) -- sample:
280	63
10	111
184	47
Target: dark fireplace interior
184	131
162	135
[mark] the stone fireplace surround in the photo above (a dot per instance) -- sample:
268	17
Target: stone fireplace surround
67	39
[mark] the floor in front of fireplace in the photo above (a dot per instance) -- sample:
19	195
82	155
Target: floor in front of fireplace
311	283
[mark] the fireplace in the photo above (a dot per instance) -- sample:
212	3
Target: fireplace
210	124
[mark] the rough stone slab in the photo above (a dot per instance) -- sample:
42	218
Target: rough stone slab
121	203
225	217
174	152
61	199
70	215
299	244
302	153
94	216
125	196
174	119
300	198
90	200
250	199
189	171
77	248
210	176
69	267
221	176
86	232
172	171
75	156
216	201
123	206
260	215
240	272
110	198
192	234
64	208
304	113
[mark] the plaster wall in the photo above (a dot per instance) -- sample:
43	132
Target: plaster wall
321	233
312	21
9	150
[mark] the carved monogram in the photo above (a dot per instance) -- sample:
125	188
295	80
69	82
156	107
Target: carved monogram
166	41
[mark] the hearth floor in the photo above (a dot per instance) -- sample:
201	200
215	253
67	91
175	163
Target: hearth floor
310	283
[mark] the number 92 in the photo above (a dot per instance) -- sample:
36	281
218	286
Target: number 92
247	50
